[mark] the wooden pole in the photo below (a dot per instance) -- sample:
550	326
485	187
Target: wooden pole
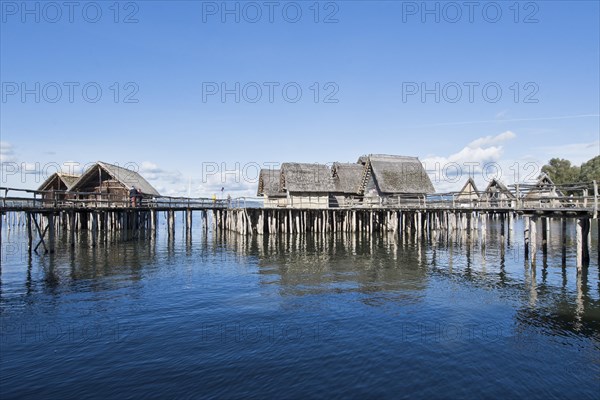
585	235
188	222
579	243
1	239
564	240
533	238
94	216
51	233
29	233
526	237
544	235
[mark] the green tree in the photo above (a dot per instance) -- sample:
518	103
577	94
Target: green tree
590	170
561	171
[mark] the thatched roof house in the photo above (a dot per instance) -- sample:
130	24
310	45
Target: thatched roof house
58	181
112	182
306	185
469	192
543	193
268	188
347	179
498	195
389	175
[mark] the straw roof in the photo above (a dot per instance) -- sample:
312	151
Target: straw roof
308	178
347	177
544	187
67	179
498	186
268	183
398	174
126	177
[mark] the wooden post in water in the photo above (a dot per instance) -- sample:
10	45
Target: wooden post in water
483	218
533	238
563	224
544	236
94	216
171	223
72	228
29	232
579	244
1	216
526	236
585	236
51	232
188	223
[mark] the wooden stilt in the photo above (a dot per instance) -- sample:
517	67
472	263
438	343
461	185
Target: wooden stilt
579	244
51	232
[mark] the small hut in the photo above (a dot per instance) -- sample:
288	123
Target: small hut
543	194
397	180
468	195
268	188
110	184
347	179
57	182
497	195
306	185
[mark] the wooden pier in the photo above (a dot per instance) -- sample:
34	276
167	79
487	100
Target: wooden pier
43	217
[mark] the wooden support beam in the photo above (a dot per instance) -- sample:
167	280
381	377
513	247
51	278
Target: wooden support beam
29	233
533	239
41	235
526	237
544	235
585	236
579	244
563	224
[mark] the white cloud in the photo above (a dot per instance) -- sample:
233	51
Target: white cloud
479	159
492	140
7	153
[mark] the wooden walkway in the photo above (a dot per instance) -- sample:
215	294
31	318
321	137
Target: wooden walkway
43	213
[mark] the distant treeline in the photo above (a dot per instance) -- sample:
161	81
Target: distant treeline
561	171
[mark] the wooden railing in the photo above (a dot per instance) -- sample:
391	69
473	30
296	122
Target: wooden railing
517	197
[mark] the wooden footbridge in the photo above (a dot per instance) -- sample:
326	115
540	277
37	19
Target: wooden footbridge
43	213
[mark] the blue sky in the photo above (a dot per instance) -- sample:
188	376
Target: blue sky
370	60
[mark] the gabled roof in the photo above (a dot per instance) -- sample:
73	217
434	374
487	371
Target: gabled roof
126	177
302	177
67	179
268	183
398	174
347	177
544	187
469	189
544	180
496	185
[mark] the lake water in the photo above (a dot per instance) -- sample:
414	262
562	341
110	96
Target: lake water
225	316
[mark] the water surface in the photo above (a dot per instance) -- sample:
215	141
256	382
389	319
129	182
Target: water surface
298	316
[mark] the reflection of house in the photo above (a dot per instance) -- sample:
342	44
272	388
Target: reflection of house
306	185
268	188
347	180
468	195
391	179
110	183
57	182
543	194
497	195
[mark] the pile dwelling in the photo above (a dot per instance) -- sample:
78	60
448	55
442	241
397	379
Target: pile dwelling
378	193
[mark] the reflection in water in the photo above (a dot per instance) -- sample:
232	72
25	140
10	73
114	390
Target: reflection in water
391	299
